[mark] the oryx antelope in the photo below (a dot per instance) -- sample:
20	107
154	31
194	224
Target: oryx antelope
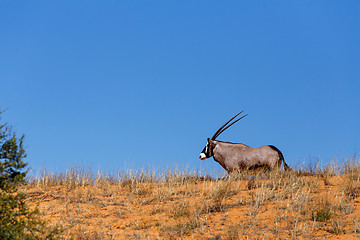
237	156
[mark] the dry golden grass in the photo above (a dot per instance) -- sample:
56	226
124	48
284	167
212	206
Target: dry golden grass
312	203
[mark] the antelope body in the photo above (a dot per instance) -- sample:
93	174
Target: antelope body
237	156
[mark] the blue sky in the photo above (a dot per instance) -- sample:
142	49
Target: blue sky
126	84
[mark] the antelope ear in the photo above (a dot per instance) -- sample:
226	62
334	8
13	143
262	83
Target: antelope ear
211	143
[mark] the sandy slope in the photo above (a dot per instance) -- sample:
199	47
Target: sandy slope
277	206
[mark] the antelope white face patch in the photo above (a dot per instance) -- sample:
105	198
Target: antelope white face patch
202	156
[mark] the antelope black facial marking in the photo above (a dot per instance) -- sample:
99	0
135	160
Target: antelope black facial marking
203	154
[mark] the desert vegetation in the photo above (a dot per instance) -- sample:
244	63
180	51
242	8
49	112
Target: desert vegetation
313	202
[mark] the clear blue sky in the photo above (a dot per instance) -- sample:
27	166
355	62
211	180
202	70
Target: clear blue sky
126	84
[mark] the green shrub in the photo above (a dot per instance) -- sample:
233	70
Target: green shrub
17	220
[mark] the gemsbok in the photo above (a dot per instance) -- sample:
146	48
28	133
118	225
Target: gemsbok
237	156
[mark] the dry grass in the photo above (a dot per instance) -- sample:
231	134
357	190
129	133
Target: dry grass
311	203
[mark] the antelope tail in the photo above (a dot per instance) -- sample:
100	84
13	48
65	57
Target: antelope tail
281	156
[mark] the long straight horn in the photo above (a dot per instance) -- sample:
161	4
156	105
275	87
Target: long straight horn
221	128
230	125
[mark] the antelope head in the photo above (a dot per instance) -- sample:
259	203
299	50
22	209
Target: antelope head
208	149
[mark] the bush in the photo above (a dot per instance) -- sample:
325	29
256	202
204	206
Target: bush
17	221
